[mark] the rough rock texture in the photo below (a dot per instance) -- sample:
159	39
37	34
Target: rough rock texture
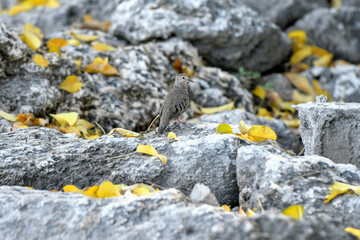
342	81
336	30
47	159
280	84
163	215
285	137
284	12
331	130
227	34
278	181
350	3
202	194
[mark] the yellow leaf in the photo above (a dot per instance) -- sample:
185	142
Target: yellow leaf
243	127
101	66
340	188
52	3
71	129
259	92
74	42
261	133
173	136
23	126
71	84
354	231
92	191
300	82
63	119
226	208
18	8
58	42
250	213
336	3
124	132
317	88
71	188
141	191
296	212
301	54
54	49
263	112
7	116
35	30
287	106
91	137
323	61
224	128
298	38
107	189
301	98
31	188
39	60
222	108
84	37
148	149
103	47
84	123
241	211
294	123
31	40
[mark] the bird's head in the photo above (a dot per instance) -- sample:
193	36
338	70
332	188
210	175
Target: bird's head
182	80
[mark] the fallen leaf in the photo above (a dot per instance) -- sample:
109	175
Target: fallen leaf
31	40
301	54
354	231
222	108
35	30
300	82
261	133
71	129
141	191
63	119
101	66
250	213
78	64
124	132
293	123
339	188
323	61
71	84
263	112
84	37
150	150
298	38
7	116
226	208
93	24
74	42
103	47
83	126
296	212
224	128
71	188
58	42
259	92
301	98
92	191
243	127
242	212
172	135
106	190
40	61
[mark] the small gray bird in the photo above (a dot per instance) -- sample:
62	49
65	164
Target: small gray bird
176	101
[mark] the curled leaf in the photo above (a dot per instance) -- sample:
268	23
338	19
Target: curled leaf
103	47
172	135
101	66
7	116
124	132
31	40
224	128
222	108
71	84
63	119
259	92
150	150
339	188
71	188
261	133
84	37
353	231
296	212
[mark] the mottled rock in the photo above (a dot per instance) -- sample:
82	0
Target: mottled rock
331	130
280	84
284	12
336	30
5	125
285	137
227	34
342	81
202	194
278	180
162	215
47	159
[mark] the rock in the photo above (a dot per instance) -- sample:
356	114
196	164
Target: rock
50	160
280	84
228	35
285	137
284	13
331	130
202	194
339	32
162	215
11	47
5	125
350	3
278	180
342	81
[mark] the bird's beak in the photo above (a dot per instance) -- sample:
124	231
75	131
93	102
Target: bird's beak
190	80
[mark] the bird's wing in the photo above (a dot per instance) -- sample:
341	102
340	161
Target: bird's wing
175	104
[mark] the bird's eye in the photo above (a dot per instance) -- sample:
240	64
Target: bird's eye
183	77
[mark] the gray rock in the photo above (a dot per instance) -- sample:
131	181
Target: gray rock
202	194
339	32
284	12
46	159
278	180
227	34
350	3
5	125
342	81
285	137
280	84
11	47
162	215
331	130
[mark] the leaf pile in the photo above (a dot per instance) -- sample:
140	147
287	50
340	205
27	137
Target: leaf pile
28	5
107	190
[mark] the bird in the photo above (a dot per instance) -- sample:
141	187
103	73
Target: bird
176	101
